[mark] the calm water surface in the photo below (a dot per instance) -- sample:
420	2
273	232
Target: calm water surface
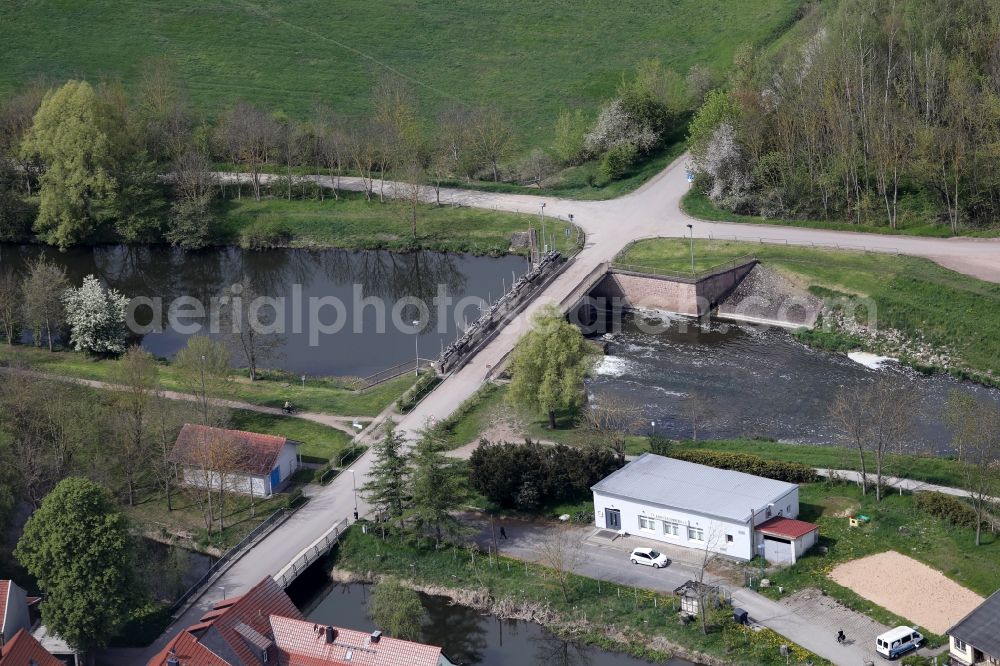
755	383
466	635
169	273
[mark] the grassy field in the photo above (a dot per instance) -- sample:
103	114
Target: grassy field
697	204
319	442
354	223
916	296
524	56
896	525
319	394
637	616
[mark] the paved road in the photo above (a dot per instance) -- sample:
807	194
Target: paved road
652	210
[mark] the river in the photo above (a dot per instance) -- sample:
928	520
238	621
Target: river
361	347
465	635
755	383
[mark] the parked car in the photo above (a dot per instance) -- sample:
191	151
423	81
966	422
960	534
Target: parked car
649	557
898	641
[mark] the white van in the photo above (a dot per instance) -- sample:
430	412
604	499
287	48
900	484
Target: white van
898	641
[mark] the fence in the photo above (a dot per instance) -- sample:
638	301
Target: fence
310	554
228	556
804	243
395	371
682	274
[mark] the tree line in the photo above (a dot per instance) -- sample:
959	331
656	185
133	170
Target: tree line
886	115
84	162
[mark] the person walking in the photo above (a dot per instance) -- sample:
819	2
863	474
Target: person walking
503	532
841	638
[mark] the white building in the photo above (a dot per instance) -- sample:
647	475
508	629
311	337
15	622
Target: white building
242	462
975	639
696	506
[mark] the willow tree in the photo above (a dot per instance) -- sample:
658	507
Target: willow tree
549	365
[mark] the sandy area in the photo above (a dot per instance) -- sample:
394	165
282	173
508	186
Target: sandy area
908	588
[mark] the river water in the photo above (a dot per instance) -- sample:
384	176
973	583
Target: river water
755	383
360	348
465	635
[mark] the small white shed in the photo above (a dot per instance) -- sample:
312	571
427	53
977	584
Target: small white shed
244	462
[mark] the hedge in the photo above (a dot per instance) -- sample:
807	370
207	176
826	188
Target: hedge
748	463
947	507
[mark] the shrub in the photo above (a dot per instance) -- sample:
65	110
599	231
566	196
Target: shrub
946	507
527	476
748	463
415	393
265	234
618	160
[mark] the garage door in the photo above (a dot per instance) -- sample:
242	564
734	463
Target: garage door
777	551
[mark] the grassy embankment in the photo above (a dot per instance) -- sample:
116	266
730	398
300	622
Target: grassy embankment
329	395
922	300
608	615
896	524
696	204
353	223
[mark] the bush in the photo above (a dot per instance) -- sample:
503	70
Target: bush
946	507
265	234
748	463
415	393
618	160
531	475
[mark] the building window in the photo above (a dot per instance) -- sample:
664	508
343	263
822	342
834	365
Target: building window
729	538
960	645
696	534
647	524
670	528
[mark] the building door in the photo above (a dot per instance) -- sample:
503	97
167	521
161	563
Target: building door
275	478
777	551
613	519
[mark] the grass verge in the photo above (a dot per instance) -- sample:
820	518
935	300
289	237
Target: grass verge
640	622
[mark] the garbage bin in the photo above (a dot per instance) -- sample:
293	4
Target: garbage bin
740	616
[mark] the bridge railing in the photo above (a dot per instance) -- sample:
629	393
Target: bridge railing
310	554
397	370
684	274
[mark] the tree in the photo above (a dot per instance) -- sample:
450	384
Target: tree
96	317
10	307
437	488
561	553
615	418
250	136
388	484
69	138
135	378
976	426
549	364
569	136
491	138
77	546
204	370
397	610
190	219
697	411
244	331
42	305
877	417
139	205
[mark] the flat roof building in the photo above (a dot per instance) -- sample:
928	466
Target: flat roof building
697	506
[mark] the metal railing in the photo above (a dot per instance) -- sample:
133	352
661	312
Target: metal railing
310	554
683	274
802	243
228	556
395	371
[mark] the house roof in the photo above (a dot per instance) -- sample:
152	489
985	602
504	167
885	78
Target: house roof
303	643
687	486
788	528
23	649
981	627
228	450
234	636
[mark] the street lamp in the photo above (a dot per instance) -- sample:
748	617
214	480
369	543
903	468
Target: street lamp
541	216
760	551
416	351
354	484
223	588
691	229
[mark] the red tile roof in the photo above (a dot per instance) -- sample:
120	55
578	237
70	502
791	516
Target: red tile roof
23	649
788	528
232	450
253	610
303	643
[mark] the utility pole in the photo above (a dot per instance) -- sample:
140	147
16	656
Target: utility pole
691	229
416	352
541	216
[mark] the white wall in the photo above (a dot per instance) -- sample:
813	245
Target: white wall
289	461
16	615
238	483
964	656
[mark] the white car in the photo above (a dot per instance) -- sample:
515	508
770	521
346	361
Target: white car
649	557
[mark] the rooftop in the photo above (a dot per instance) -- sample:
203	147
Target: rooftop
229	450
981	627
788	528
23	649
687	486
304	643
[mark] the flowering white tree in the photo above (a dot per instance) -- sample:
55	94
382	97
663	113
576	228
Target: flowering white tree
617	126
96	317
723	161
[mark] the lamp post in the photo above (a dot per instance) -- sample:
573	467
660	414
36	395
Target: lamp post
223	588
691	229
354	484
541	216
416	351
760	551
